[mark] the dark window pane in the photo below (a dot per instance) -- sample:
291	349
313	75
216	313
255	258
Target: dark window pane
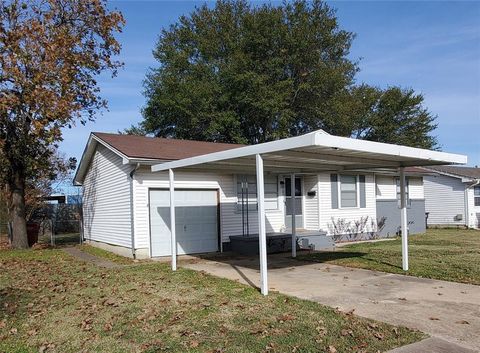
476	190
477	201
298	187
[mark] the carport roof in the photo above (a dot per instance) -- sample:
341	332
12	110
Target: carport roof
317	151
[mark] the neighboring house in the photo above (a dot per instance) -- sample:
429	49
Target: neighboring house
452	196
124	202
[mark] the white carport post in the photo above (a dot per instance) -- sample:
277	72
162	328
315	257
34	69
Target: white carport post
294	225
173	236
262	235
403	219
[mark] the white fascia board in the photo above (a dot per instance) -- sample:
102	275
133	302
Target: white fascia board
267	147
319	139
388	149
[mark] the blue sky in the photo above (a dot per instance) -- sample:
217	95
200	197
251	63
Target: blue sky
432	47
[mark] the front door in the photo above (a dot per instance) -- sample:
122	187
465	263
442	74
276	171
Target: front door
298	202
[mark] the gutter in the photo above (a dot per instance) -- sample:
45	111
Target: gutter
467	211
132	218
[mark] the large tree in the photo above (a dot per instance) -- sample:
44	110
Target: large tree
50	54
243	73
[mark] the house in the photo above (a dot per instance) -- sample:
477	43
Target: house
452	196
340	186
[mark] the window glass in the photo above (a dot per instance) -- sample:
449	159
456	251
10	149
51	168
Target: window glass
288	187
407	191
250	192
348	190
476	193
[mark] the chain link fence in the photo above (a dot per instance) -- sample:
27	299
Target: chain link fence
60	224
56	224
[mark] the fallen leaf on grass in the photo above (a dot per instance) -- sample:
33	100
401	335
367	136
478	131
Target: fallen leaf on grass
46	346
331	349
286	317
350	313
33	332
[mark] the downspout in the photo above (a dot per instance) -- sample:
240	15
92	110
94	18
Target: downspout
132	218
467	211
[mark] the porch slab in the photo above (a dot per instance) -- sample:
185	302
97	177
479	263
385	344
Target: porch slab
445	310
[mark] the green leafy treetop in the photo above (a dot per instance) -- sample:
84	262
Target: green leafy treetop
249	74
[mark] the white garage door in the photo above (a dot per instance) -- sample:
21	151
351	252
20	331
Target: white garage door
195	220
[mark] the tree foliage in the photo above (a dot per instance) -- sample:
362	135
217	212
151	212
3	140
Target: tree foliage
50	54
249	74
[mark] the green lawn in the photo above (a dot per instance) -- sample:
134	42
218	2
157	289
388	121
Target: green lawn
50	302
446	254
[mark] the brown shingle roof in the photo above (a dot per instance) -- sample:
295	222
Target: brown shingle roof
134	146
467	172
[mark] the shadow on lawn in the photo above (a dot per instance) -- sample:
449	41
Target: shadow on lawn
13	302
332	256
284	260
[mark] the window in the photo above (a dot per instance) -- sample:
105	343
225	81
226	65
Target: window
476	195
249	194
348	191
407	191
288	187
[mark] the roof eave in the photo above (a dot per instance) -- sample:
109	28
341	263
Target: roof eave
410	155
89	151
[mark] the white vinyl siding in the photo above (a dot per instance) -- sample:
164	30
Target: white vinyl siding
230	219
473	212
350	214
387	187
444	200
415	186
106	199
311	202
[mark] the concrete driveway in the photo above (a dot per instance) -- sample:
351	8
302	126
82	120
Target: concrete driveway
445	310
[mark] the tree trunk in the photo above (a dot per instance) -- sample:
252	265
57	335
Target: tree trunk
17	214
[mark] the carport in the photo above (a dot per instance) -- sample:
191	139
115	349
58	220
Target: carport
314	152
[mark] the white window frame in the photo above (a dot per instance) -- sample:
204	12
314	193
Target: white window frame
357	192
477	187
251	203
408	198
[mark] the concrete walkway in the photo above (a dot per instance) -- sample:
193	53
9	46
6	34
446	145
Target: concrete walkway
83	256
445	310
